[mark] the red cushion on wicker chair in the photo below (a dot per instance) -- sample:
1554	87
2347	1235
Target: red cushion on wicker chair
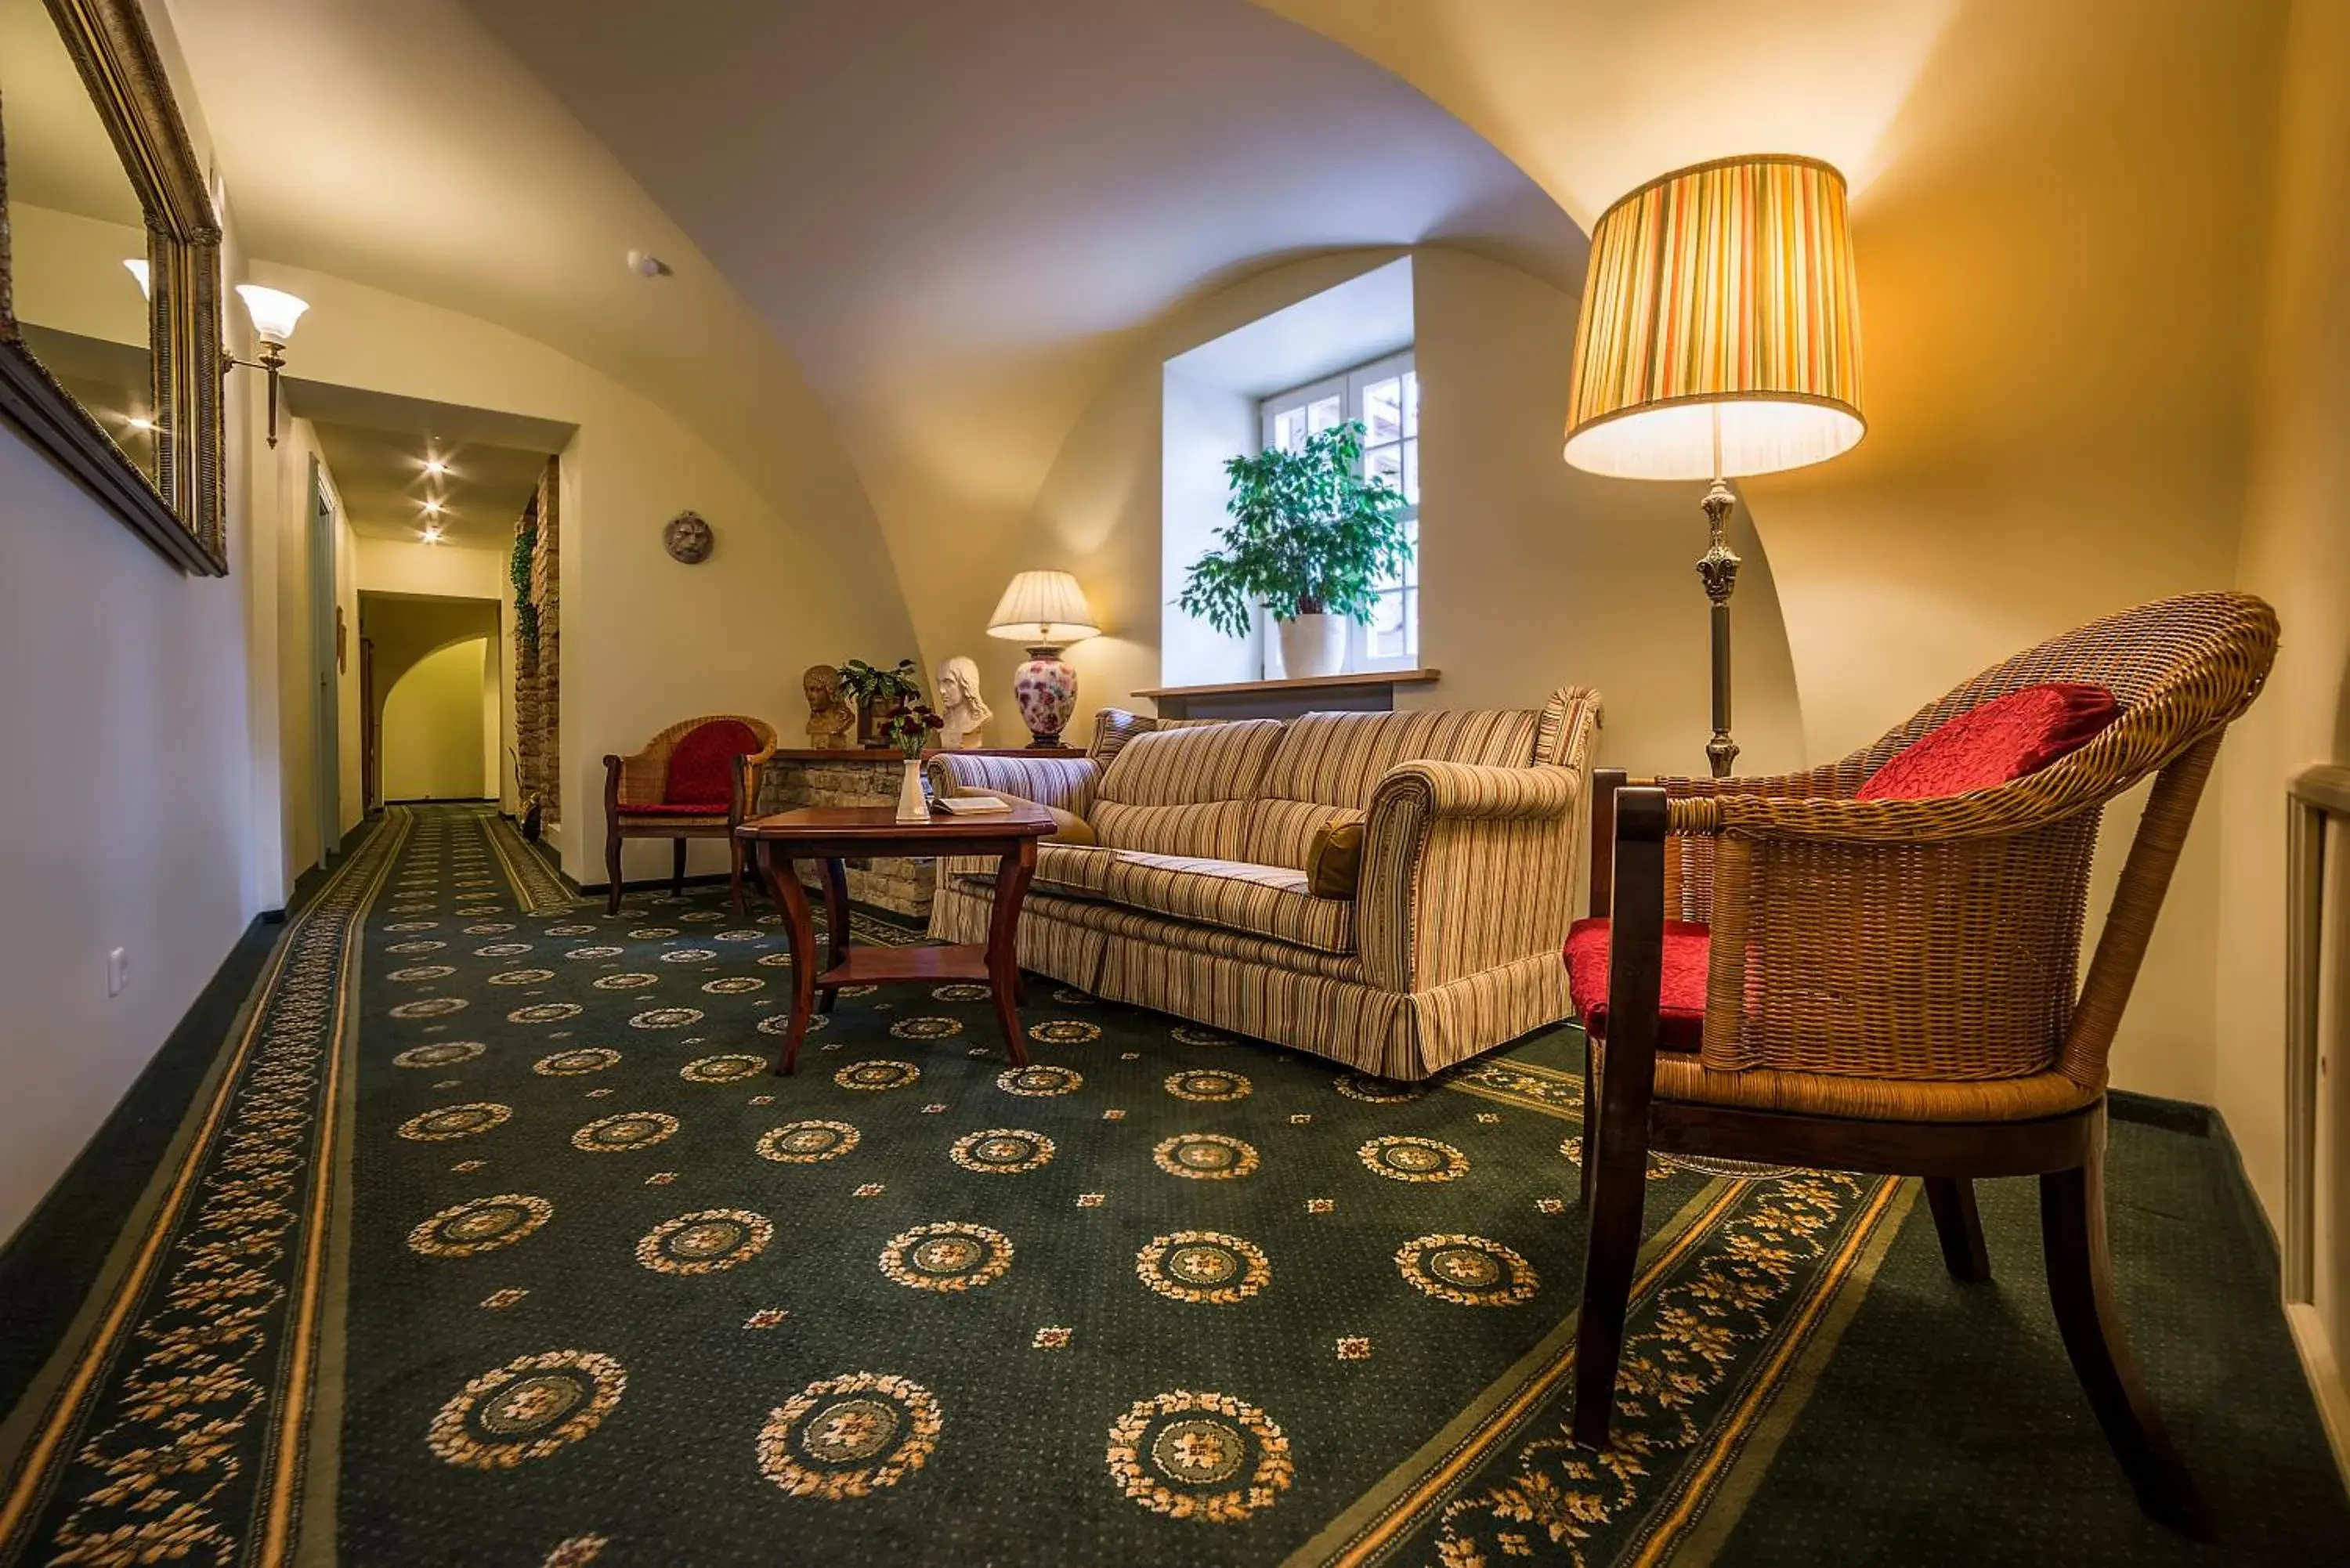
2001	741
698	764
1681	1010
676	809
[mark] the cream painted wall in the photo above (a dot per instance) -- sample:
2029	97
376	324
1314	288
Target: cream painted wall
1532	575
146	752
433	725
646	640
286	471
2292	554
122	691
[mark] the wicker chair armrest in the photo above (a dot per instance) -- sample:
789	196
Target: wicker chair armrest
1066	783
1465	869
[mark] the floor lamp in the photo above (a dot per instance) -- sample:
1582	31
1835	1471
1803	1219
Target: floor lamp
1720	338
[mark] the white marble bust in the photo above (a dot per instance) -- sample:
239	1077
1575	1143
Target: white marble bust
959	704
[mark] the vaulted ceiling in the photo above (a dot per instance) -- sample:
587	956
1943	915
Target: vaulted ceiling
946	220
952	215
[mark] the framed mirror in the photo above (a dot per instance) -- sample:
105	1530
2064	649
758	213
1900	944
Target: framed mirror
111	329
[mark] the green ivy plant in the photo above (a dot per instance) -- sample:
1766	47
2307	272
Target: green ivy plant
1310	535
525	546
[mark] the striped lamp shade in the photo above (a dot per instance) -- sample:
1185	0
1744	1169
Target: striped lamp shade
1719	314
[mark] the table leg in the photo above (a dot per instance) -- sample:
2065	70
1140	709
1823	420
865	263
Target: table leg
1012	874
835	924
800	932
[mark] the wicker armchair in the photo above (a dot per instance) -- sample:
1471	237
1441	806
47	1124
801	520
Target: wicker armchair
1890	985
696	779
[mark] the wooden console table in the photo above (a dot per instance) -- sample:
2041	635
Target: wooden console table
831	835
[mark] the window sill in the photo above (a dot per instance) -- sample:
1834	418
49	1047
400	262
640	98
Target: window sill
1371	691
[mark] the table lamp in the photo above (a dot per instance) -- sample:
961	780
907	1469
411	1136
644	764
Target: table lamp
1719	336
1047	611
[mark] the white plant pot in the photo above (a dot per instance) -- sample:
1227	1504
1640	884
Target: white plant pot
913	805
1313	646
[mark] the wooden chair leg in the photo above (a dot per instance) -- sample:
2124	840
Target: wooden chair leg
2081	1287
612	869
1615	1148
1593	1095
1615	1175
677	868
1960	1225
734	877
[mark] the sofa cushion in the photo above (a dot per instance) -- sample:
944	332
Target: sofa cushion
1180	790
699	763
1680	1010
1262	900
1326	760
2003	741
1076	870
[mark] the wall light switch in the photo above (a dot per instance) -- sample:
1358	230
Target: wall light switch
117	971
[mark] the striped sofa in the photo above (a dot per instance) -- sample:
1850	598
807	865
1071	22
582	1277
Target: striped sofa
1194	896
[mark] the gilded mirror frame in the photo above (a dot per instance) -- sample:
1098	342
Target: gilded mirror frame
180	509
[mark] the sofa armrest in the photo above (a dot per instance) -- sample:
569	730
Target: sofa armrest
1465	867
1065	784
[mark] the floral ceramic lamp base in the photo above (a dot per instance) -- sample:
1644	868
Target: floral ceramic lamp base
1046	690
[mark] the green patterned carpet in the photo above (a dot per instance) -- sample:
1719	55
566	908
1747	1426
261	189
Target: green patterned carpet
494	1241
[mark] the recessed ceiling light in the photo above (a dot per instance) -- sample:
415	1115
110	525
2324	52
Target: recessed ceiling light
644	264
138	423
433	509
434	466
433	536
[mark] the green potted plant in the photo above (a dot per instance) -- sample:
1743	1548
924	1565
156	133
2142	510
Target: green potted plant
1311	539
910	728
878	694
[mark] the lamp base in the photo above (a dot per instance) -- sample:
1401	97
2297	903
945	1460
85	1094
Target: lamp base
1718	569
1046	691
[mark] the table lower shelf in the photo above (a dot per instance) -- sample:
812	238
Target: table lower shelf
878	965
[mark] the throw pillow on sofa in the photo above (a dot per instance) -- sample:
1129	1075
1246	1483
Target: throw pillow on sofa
1334	861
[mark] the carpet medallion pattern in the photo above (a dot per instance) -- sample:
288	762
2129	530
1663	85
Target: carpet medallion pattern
494	1241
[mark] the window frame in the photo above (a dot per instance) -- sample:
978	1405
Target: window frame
1349	385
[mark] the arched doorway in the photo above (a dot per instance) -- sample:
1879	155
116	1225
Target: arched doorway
440	733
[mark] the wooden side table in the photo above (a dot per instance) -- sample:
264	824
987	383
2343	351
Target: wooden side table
835	834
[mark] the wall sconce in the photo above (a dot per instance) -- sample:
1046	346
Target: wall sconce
273	313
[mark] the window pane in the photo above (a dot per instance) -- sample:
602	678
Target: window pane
1411	471
1382	411
1412	402
1324	412
1289	429
1384	462
1387	637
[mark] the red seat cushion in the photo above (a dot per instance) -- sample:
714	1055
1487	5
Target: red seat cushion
1680	1013
2001	741
698	764
677	808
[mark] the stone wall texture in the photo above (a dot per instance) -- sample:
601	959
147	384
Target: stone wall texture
538	671
856	778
